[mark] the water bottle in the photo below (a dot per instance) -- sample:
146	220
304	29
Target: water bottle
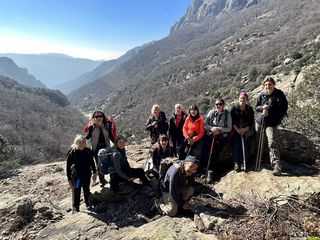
77	185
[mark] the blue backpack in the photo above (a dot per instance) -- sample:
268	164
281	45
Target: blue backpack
105	156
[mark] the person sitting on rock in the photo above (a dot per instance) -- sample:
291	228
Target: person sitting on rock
161	151
80	166
123	172
177	187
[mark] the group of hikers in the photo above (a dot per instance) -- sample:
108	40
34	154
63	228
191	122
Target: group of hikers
195	142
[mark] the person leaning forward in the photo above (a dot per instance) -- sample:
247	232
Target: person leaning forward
177	187
271	107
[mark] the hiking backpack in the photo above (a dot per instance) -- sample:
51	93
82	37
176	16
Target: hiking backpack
165	164
105	159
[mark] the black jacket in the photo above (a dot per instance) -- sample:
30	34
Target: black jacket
278	106
243	118
158	155
161	129
175	132
83	161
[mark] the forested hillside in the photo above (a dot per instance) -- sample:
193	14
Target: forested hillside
218	55
10	69
36	124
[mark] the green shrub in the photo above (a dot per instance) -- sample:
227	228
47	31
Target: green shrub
304	106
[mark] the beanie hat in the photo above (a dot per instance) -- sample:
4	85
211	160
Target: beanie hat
120	137
192	159
243	94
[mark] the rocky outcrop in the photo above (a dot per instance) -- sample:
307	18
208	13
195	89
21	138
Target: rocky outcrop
35	203
201	9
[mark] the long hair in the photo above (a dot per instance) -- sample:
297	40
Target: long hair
104	118
78	139
195	108
158	145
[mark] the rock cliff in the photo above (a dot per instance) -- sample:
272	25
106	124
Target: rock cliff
36	204
201	9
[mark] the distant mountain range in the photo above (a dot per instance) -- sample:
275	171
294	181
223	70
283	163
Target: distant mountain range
52	69
217	48
103	69
8	68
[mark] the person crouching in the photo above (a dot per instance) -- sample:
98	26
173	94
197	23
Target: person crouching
177	187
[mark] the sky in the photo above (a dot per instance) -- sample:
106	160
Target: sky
93	29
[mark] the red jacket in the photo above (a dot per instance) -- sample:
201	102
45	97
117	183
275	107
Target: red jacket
194	129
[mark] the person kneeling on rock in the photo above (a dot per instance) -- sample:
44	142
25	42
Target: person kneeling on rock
123	171
177	187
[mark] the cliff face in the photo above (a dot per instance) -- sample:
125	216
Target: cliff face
201	9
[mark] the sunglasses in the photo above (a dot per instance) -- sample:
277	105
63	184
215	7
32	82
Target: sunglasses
218	104
98	116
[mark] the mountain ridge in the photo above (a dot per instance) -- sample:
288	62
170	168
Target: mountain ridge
53	69
206	61
9	68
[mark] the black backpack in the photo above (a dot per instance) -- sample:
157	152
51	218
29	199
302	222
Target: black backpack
105	159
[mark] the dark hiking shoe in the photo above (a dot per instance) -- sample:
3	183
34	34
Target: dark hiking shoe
75	210
237	167
276	170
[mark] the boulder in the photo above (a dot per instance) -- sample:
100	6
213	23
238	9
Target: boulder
24	207
210	221
294	148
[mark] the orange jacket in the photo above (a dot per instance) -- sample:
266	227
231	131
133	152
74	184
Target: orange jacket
194	129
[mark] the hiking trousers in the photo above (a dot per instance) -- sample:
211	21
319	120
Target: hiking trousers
272	136
169	206
115	178
237	153
85	185
101	177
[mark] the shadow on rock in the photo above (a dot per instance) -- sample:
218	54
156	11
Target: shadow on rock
127	207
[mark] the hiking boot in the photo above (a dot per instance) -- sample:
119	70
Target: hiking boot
276	170
236	167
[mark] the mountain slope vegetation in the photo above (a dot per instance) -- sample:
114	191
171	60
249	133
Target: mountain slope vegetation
198	62
36	122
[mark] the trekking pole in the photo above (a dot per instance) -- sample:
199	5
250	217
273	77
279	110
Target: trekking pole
260	145
209	160
243	154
